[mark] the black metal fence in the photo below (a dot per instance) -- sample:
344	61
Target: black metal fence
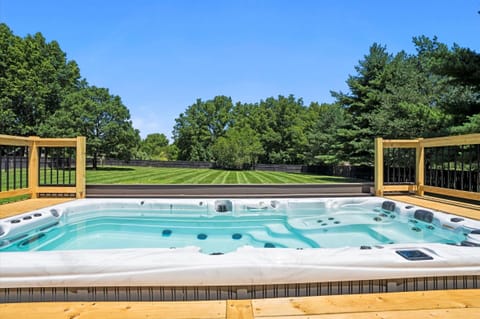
38	167
13	167
399	166
453	167
57	166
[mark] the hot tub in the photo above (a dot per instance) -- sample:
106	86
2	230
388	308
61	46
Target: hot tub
215	242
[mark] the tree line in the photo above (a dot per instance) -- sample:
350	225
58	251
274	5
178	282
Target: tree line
433	92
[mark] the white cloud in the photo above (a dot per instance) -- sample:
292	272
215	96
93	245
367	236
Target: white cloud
147	121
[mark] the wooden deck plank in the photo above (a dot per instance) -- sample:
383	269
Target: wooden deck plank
470	211
24	206
239	309
466	313
379	302
110	310
433	304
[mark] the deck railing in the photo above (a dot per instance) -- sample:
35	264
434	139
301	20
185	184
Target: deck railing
448	166
42	166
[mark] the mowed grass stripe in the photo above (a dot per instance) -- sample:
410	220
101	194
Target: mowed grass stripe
295	177
271	178
183	178
162	175
263	178
237	178
123	178
219	178
225	177
231	178
140	175
252	178
206	177
134	175
179	176
241	178
290	177
110	175
107	174
170	177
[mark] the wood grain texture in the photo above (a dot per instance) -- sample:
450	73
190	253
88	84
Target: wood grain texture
239	309
427	304
111	310
368	303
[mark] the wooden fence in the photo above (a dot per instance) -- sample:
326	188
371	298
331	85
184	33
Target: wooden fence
448	166
42	166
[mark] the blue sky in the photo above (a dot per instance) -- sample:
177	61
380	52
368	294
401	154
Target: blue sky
160	56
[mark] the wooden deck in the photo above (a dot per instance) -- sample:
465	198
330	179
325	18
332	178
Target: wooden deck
432	304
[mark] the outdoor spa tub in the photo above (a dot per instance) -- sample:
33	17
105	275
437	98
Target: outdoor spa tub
215	242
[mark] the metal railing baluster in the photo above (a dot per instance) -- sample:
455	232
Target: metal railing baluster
7	169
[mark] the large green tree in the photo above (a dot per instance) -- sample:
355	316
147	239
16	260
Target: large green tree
101	117
455	94
326	119
462	67
364	98
401	96
156	147
238	148
34	77
281	129
41	94
197	129
410	102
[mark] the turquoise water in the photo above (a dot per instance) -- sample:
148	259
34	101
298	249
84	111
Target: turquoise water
223	234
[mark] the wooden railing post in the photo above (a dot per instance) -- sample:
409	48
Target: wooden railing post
420	167
33	165
80	167
379	166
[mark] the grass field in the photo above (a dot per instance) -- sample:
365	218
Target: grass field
161	175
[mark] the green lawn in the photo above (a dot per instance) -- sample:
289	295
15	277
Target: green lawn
161	175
